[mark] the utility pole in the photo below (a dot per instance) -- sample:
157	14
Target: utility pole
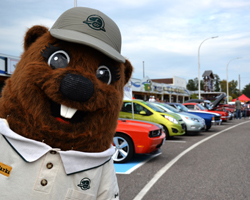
75	3
143	69
239	85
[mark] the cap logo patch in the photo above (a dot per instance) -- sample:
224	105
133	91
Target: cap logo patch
95	22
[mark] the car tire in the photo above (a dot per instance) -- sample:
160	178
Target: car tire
166	132
124	148
208	127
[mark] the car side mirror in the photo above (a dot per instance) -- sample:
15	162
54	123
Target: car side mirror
143	112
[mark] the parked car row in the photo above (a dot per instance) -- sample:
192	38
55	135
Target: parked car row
144	126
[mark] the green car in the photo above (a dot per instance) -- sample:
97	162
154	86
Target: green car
172	123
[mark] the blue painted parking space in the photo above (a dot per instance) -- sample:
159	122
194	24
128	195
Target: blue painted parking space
133	164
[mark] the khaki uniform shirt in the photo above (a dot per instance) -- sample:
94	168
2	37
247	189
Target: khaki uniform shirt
32	170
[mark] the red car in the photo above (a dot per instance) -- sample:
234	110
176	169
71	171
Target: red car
227	107
136	137
197	106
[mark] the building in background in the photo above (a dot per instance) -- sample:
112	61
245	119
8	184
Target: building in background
208	78
166	90
7	67
208	92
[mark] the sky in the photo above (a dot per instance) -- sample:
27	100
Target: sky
164	35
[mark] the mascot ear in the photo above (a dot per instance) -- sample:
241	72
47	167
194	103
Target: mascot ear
32	34
127	71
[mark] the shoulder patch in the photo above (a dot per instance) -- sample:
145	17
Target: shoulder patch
5	169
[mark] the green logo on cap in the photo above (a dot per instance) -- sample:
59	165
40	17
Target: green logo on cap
95	22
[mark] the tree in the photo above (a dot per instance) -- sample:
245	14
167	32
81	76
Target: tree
194	96
191	85
216	83
246	90
223	85
232	88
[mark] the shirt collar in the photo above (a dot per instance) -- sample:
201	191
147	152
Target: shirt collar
31	150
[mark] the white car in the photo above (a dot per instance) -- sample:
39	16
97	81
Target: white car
194	123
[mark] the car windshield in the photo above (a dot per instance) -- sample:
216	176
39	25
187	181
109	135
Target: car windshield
155	108
182	107
208	106
201	107
170	108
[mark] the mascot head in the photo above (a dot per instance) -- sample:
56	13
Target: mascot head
67	88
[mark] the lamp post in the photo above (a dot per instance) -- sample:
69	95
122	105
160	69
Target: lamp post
199	84
227	77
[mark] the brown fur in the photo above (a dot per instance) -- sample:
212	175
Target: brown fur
26	97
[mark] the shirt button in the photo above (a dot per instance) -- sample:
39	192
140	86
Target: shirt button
44	182
53	152
49	165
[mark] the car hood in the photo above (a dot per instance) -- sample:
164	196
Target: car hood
174	115
142	124
198	111
218	100
138	121
185	114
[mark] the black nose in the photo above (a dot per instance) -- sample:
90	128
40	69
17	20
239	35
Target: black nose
77	87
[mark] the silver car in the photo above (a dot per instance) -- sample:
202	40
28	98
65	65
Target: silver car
194	123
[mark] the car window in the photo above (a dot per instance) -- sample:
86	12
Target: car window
182	107
200	106
138	108
127	107
191	107
170	108
155	108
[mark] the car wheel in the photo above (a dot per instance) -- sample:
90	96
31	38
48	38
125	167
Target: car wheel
124	148
208	127
166	132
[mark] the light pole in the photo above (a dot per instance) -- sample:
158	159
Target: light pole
199	84
227	77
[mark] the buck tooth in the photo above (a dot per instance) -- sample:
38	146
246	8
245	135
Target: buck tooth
67	112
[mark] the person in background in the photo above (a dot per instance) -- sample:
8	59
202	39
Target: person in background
244	110
238	108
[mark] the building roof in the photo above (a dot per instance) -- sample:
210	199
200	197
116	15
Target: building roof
208	73
163	80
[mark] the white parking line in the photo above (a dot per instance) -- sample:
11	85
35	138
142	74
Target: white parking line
163	170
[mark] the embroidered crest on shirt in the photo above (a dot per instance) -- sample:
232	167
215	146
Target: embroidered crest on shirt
5	169
84	184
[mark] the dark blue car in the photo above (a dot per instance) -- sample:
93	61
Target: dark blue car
209	118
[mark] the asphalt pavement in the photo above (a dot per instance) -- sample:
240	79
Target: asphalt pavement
211	165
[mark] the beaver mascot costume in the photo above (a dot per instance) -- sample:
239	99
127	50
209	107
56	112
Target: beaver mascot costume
59	111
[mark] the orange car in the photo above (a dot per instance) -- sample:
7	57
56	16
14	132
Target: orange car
136	137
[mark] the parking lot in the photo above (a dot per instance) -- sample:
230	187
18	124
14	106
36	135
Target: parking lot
210	165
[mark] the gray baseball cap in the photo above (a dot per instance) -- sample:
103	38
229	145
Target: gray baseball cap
89	27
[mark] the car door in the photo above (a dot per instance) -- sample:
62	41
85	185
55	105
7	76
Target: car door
137	113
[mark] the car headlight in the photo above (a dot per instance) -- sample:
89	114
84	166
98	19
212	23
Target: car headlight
193	119
171	119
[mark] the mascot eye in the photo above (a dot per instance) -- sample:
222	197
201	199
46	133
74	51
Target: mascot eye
103	73
58	59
